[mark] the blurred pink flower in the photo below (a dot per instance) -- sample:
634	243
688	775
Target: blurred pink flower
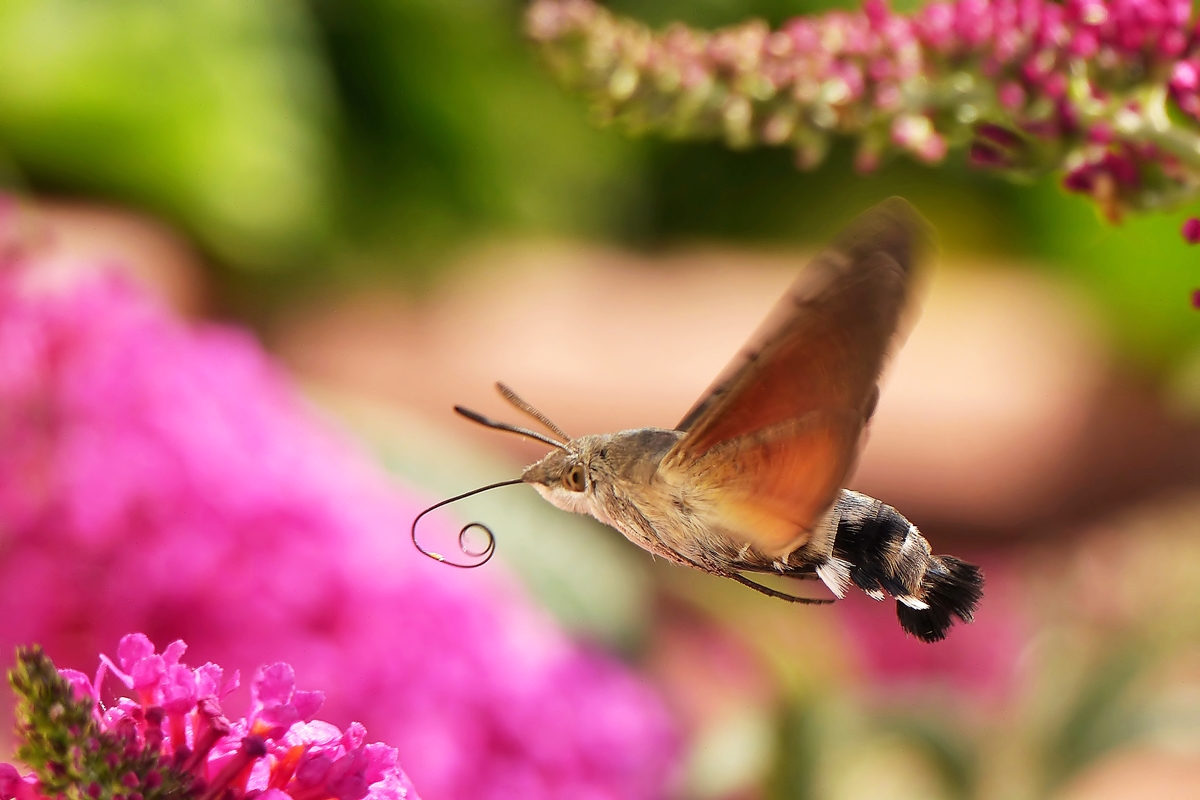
165	478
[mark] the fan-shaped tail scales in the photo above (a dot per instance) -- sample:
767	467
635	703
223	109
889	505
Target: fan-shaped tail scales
889	555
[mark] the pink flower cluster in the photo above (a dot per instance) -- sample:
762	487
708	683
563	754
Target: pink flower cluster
277	752
162	477
1029	86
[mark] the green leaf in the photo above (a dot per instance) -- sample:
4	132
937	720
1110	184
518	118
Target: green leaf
210	111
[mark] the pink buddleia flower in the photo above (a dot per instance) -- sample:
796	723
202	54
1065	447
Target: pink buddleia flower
167	478
207	756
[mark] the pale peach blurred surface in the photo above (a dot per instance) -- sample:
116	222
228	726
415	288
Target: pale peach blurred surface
1147	773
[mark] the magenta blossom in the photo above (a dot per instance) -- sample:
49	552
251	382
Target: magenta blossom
15	786
1191	230
301	759
167	478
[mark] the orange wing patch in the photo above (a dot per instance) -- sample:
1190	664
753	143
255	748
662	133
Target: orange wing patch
770	490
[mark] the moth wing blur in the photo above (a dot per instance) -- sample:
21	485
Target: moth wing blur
768	488
787	414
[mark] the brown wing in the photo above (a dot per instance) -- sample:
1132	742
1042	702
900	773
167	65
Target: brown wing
787	413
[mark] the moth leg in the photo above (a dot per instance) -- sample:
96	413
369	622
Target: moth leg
769	592
805	573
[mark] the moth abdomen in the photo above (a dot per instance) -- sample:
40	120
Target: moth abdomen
888	555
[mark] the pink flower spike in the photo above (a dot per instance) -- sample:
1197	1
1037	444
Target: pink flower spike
1191	230
1196	298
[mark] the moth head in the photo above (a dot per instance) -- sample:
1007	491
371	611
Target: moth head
567	478
559	469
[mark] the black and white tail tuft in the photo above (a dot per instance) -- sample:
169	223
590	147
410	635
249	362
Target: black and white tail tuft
951	588
889	555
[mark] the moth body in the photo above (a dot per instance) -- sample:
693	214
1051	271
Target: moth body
619	479
751	480
622	481
614	478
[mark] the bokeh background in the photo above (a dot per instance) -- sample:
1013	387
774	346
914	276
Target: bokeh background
398	202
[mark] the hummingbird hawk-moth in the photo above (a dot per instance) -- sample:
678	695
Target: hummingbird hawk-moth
751	479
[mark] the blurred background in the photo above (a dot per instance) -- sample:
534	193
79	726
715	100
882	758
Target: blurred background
403	206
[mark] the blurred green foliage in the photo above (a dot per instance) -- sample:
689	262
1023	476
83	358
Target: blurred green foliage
450	129
354	139
213	113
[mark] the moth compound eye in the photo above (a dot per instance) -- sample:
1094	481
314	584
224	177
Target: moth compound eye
573	480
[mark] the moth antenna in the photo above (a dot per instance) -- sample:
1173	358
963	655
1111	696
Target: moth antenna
513	398
475	416
489	549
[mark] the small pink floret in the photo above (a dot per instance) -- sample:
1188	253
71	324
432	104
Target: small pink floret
132	649
1185	77
1011	96
1191	230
